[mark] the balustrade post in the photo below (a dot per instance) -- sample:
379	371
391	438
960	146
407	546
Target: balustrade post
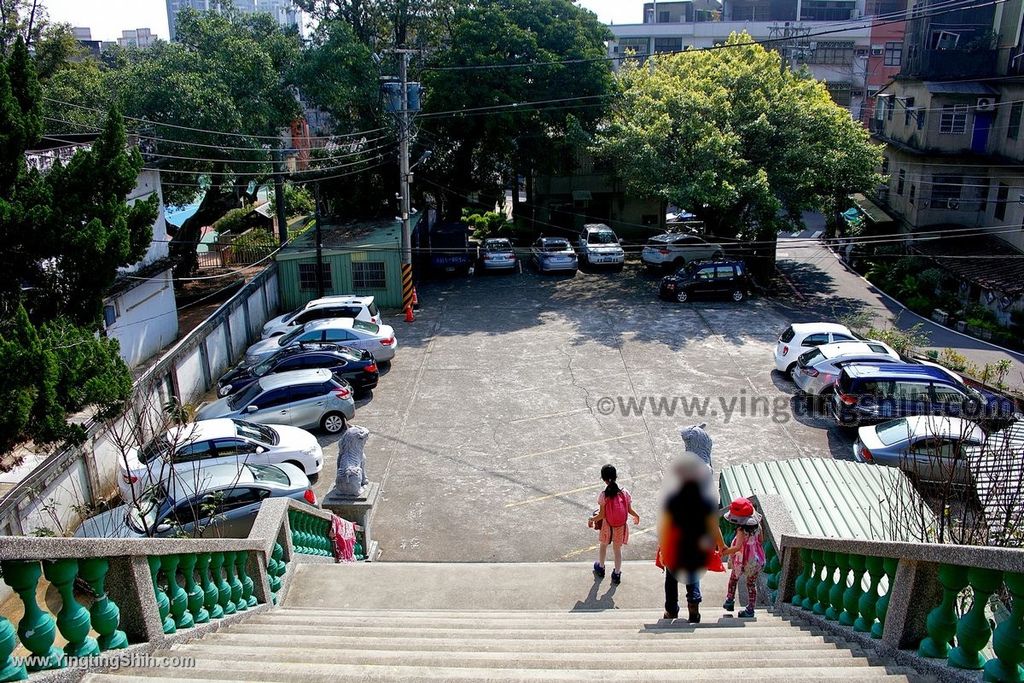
811	585
973	631
195	596
179	599
800	585
105	614
828	561
1008	639
10	669
210	593
163	603
223	587
869	599
73	620
241	557
37	630
236	585
941	623
838	589
889	567
851	598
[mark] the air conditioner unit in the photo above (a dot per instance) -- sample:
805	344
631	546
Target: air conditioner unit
877	51
953	204
985	104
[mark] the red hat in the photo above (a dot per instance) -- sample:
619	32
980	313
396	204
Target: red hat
742	512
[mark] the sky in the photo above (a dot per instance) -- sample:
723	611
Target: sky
107	18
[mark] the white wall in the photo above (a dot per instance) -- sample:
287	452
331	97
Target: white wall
147	185
146	318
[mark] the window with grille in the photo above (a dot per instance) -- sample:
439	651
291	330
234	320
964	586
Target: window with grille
953	120
901	181
639	46
668	45
893	54
832	52
1002	194
369	275
307	276
945	190
908	111
1013	125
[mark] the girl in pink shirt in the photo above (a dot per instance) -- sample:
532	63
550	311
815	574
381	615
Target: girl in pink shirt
614	506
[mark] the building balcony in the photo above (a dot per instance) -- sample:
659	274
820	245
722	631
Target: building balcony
947	64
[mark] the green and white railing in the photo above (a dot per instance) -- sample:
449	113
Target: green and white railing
931	606
140	595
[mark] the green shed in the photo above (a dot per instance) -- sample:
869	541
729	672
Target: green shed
362	258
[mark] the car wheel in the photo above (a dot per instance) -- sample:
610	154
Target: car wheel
678	263
619	267
739	295
682	296
333	423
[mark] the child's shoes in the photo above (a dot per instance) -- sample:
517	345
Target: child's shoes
729	605
616	577
599	570
748	613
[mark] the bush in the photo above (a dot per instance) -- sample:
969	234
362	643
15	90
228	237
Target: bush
488	224
298	201
253	245
232	221
953	359
905	342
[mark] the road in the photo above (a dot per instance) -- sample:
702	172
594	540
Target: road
822	287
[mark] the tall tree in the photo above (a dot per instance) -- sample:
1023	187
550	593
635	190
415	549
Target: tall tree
562	49
731	137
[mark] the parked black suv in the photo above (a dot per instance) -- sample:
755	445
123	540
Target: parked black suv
707	278
356	366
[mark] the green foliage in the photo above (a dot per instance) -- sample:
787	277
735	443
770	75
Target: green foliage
488	224
905	342
953	359
91	372
298	201
727	135
253	245
233	221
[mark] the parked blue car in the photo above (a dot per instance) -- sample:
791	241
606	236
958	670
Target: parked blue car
866	394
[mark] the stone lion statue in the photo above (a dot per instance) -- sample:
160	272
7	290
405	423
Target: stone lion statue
696	440
351	475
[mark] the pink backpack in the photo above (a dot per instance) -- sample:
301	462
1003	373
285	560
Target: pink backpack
616	510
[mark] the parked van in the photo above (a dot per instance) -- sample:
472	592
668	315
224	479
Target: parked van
866	394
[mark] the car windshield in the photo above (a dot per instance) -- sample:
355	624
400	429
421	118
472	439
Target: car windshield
291	316
269	473
264	367
365	326
153	450
350	353
499	245
261	433
142	514
893	431
286	339
555	246
605	237
809	358
245	396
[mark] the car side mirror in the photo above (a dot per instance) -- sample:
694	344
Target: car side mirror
260	450
162	528
251	409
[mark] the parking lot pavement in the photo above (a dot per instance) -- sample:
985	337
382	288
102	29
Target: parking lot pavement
509	392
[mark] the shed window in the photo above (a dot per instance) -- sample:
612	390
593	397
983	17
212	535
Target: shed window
369	275
307	276
109	314
954	119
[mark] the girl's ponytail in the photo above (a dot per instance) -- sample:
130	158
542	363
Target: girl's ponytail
608	475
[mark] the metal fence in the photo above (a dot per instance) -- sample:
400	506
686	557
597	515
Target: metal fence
226	254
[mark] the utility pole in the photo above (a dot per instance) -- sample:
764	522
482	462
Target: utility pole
282	220
318	236
405	176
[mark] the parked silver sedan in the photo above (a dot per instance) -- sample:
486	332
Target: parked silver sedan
817	369
552	254
931	447
496	253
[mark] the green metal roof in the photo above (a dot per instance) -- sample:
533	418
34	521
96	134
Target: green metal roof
833	498
343	239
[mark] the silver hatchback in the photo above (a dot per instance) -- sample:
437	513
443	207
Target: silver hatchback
301	398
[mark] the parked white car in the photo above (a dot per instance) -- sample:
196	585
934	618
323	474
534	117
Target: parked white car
358	334
358	307
800	337
598	245
185	452
817	369
676	249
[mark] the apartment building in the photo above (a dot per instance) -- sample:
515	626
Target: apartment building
284	11
137	37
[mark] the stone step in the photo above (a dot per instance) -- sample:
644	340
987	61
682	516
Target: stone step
638	631
513	621
708	611
595	659
247	636
325	673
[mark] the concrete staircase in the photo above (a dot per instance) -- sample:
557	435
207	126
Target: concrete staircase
482	623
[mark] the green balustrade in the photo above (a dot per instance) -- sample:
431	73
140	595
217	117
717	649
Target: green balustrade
163	603
828	562
772	568
227	607
811	585
973	631
105	614
193	591
800	585
177	594
869	598
73	620
37	630
1008	639
10	669
838	588
241	559
233	581
278	572
889	566
851	598
210	593
942	623
310	534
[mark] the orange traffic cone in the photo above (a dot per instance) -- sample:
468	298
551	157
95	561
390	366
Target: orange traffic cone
409	317
415	299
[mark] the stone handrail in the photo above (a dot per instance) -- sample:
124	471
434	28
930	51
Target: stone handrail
149	592
908	599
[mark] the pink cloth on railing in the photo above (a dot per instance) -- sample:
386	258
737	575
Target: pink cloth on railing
343	538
